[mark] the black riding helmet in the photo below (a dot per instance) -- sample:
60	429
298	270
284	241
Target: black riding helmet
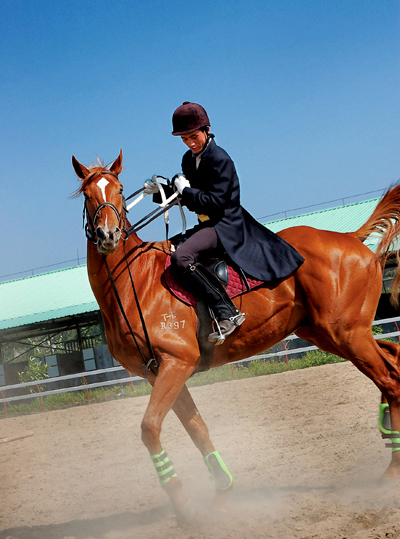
189	117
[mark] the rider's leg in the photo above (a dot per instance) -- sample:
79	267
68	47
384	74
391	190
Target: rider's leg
202	283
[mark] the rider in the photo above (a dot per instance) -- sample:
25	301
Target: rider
209	186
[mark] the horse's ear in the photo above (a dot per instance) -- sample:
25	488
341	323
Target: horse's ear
80	170
117	165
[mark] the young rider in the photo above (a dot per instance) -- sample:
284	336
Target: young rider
209	186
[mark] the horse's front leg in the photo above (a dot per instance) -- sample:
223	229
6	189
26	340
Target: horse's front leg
190	418
167	386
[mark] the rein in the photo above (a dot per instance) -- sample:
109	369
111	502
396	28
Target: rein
152	364
149	218
133	228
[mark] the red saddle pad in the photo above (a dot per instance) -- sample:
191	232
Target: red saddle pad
236	285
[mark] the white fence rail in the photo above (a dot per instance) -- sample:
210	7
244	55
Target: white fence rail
80	375
131	378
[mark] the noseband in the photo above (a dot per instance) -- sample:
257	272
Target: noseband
105	205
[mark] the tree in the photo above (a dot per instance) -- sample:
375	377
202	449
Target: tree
35	370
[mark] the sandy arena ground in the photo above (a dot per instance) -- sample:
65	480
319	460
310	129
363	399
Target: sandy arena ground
303	448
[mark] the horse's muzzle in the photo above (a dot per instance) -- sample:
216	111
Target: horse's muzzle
107	239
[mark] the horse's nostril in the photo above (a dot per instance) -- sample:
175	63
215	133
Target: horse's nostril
100	233
108	235
115	233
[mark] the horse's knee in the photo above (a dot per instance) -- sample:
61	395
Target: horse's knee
391	389
150	433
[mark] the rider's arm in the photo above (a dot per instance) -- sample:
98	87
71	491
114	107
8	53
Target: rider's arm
216	194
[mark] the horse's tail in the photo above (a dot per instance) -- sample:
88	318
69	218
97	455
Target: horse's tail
385	221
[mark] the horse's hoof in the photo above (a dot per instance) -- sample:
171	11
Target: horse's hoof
187	514
219	503
392	474
388	480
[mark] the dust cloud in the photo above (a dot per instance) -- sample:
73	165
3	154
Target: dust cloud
303	447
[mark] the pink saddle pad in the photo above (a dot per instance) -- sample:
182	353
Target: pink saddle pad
236	284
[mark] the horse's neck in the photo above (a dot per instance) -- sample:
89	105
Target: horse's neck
133	252
96	262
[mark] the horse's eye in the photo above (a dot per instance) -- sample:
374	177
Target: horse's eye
121	191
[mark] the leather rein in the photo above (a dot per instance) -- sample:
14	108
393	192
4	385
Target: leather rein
89	226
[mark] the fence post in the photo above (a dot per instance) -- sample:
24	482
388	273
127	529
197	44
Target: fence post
87	390
286	356
4	403
40	398
397	330
132	385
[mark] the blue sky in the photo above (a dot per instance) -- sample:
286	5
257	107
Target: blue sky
304	96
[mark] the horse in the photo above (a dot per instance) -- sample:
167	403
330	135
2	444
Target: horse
330	301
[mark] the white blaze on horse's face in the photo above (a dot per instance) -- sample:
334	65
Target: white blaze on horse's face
107	236
102	184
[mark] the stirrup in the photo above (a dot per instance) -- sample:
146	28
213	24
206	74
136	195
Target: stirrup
217	337
238	319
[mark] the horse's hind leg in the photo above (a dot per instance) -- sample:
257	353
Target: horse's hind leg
190	418
393	350
390	401
384	422
379	361
376	361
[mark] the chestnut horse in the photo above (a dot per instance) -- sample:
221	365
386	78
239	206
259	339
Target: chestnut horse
329	301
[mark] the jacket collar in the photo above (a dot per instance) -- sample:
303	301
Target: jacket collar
203	151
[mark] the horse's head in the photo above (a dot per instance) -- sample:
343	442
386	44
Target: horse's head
104	203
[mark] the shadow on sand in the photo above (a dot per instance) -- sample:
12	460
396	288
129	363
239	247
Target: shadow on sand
96	527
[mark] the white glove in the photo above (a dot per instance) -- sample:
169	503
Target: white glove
181	182
151	187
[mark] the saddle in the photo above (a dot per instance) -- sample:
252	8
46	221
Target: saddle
233	279
235	283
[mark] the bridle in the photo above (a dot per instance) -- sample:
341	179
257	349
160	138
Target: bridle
90	224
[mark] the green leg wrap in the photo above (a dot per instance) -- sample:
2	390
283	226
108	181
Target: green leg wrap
395	442
384	427
218	470
163	466
384	418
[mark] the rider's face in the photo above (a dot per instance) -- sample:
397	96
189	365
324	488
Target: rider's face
196	140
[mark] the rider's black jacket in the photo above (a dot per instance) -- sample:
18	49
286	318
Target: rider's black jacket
214	192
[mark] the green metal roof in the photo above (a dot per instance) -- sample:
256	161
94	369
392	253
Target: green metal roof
67	292
340	219
46	297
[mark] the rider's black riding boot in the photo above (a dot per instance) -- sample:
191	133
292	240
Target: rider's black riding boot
204	285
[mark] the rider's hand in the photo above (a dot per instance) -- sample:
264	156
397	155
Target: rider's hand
151	187
181	182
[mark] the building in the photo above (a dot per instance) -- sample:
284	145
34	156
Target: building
55	315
